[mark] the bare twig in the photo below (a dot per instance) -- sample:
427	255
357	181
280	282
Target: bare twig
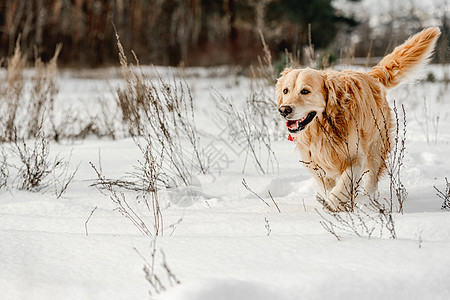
67	178
362	220
151	109
273	200
173	280
444	195
267	226
85	223
122	205
36	164
249	133
155	281
244	183
4	170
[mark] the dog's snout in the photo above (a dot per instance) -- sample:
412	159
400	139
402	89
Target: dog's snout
285	110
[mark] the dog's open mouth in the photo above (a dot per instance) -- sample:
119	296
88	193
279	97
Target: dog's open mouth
298	125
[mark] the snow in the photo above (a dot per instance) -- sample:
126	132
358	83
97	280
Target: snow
224	242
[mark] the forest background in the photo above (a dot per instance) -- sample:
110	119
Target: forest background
207	32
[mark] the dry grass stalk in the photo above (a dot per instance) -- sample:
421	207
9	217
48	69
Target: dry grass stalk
156	282
362	220
260	103
35	165
265	67
4	170
310	49
147	184
444	195
273	200
161	113
244	183
393	155
25	110
123	207
267	225
87	221
29	108
62	178
150	168
341	147
12	93
261	106
43	92
249	134
173	280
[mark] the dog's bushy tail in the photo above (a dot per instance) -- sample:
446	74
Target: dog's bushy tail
407	60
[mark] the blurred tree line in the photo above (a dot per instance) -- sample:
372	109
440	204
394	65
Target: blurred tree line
167	32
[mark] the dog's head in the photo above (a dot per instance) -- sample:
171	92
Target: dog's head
302	95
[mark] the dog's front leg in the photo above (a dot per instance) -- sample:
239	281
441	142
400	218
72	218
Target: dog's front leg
343	195
324	181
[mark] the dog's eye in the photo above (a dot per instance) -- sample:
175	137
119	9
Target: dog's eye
285	91
304	92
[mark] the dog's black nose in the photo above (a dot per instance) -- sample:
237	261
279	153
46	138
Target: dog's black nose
285	110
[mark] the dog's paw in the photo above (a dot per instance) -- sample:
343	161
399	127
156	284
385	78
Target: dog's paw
331	203
337	204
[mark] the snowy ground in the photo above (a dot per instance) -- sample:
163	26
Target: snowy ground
228	244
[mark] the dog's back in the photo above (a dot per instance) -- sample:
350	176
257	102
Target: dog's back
407	60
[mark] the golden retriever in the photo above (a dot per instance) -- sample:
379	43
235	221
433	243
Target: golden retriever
342	122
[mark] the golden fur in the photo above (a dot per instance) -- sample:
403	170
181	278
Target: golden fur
350	135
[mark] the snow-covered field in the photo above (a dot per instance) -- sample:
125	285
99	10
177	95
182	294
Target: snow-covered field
222	242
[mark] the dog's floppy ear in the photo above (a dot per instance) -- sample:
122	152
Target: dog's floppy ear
333	94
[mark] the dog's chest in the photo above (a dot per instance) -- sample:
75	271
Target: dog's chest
323	156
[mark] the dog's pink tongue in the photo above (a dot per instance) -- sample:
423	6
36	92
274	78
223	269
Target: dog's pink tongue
292	124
